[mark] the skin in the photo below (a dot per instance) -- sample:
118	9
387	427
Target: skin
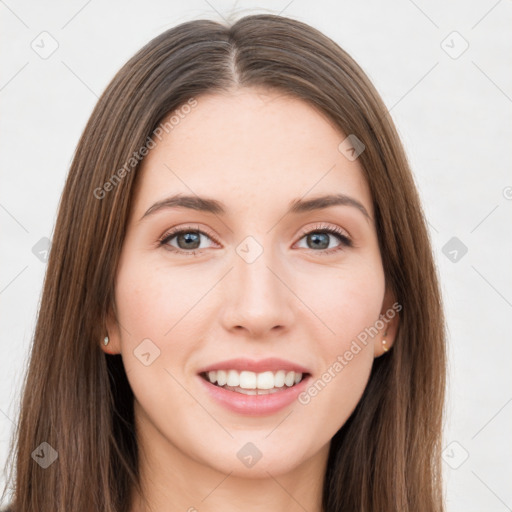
255	150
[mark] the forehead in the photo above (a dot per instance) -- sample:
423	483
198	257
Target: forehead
250	145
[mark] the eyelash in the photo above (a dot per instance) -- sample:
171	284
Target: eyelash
342	237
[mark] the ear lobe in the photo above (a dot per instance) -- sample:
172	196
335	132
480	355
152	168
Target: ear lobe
113	332
390	317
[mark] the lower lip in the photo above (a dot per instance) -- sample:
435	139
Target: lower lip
254	405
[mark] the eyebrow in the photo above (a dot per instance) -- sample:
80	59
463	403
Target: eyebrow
208	205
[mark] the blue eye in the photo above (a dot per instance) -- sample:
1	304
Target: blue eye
188	240
319	239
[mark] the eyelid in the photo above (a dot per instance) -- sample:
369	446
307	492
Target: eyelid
170	233
322	226
343	236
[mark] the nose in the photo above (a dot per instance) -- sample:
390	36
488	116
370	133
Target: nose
258	299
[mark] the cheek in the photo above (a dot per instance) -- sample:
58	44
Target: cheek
156	303
152	299
349	304
143	321
152	315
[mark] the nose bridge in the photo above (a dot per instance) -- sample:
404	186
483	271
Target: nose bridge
252	263
257	299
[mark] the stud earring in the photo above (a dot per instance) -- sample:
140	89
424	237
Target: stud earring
105	340
384	343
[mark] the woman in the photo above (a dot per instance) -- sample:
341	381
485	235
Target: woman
241	306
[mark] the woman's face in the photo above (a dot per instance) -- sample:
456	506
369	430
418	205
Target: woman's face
253	286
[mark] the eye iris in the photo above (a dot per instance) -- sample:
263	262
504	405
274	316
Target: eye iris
192	239
189	236
319	240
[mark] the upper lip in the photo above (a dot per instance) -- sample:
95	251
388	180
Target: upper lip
272	364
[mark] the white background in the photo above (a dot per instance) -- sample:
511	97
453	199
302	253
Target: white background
453	115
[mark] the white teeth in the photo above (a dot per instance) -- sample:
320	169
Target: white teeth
265	380
254	381
222	377
289	380
279	378
233	378
248	380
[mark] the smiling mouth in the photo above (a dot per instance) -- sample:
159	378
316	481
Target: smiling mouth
252	383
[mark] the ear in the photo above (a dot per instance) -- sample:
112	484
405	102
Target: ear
389	317
113	331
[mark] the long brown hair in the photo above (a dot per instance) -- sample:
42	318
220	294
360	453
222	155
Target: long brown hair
77	399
